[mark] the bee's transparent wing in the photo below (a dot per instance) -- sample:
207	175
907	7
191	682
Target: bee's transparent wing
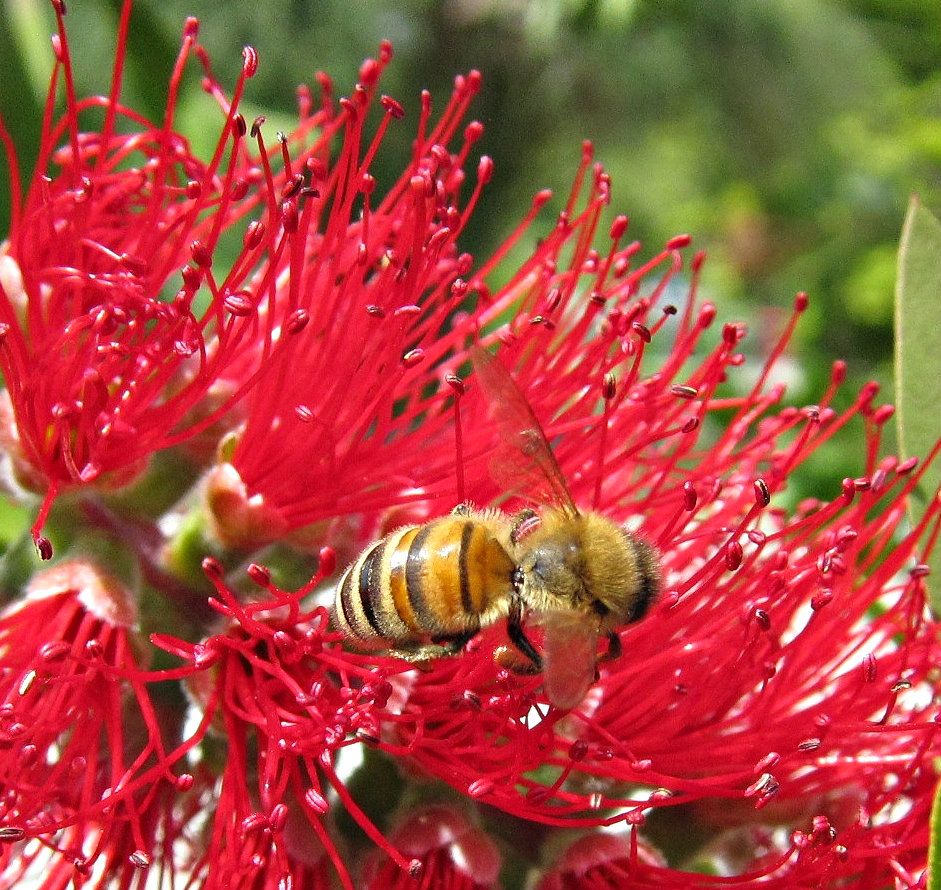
570	655
525	463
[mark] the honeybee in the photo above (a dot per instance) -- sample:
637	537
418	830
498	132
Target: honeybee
425	590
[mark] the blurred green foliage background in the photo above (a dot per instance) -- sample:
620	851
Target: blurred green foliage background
786	137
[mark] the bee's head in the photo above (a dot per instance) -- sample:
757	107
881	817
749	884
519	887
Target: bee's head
590	564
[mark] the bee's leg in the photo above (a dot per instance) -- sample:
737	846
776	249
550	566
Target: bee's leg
514	629
614	646
522	524
422	657
453	645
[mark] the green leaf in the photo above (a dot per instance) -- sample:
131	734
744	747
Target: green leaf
918	357
934	850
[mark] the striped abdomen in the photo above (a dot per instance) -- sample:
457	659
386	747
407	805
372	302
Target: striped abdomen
425	585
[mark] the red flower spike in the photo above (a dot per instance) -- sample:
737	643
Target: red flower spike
101	370
82	761
601	861
449	850
711	694
279	686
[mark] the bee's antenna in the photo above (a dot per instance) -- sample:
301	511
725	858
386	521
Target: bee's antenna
457	385
608	389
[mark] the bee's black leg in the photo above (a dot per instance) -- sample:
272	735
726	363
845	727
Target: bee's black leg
514	629
614	645
453	645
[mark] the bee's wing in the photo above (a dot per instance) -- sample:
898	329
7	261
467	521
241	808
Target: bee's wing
525	463
570	655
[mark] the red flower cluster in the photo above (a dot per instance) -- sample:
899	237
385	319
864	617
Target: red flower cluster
772	722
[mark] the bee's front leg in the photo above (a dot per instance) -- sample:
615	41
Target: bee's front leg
522	524
514	629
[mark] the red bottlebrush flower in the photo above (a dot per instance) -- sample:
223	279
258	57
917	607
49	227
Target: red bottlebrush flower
789	667
780	698
285	701
447	851
599	862
83	767
103	365
375	283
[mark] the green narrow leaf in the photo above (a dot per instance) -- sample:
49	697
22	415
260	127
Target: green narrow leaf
934	849
918	356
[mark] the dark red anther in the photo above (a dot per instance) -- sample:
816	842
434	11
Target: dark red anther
480	788
289	215
328	561
641	330
609	386
393	108
691	425
239	304
201	255
212	568
249	61
731	333
43	547
578	750
769	761
316	801
456	384
474	80
707	315
619	227
679	241
297	321
906	466
683	391
819	600
689	497
733	555
254	235
762	493
259	574
413	357
292	187
134	264
369	72
801	301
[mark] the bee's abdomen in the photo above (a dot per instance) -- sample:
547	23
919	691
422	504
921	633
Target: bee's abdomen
424	583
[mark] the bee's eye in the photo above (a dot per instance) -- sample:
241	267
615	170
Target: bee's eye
599	608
